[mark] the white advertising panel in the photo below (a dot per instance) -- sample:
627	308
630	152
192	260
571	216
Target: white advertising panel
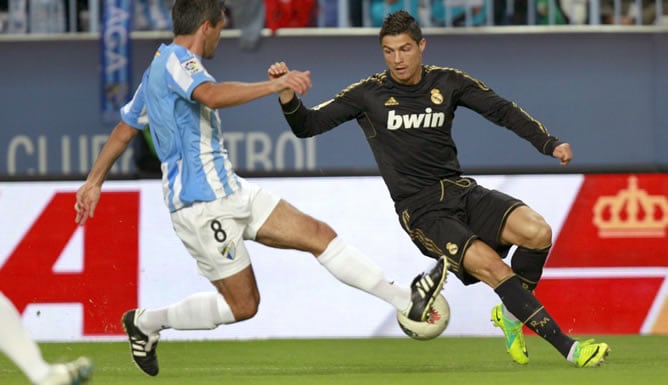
73	283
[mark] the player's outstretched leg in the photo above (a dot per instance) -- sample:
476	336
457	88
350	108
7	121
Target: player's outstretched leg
142	347
425	288
514	334
588	354
77	372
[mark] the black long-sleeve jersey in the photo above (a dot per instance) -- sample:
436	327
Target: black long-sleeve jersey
409	126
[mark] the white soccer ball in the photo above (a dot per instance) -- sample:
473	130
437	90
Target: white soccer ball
437	320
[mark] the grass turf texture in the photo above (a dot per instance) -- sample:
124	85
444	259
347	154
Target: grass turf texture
446	360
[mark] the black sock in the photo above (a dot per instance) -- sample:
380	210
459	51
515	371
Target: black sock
523	305
528	265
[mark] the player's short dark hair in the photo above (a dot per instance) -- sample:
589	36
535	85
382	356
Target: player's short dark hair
188	15
400	22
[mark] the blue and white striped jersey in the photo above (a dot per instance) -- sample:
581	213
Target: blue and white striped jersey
186	134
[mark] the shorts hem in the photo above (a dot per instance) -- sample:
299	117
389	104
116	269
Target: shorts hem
231	269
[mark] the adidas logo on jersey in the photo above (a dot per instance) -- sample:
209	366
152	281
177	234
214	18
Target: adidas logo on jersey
426	120
391	102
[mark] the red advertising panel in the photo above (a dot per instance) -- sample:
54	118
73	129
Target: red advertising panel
596	305
106	287
616	222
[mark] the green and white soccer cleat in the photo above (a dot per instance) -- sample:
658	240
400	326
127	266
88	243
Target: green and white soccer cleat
589	354
512	330
76	372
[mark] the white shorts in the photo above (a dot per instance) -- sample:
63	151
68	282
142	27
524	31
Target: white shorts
214	232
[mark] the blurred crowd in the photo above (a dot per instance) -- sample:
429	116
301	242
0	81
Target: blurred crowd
251	16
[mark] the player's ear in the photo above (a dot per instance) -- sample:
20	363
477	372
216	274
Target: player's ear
205	27
206	24
422	44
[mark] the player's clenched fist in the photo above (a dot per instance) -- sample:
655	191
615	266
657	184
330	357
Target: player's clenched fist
290	81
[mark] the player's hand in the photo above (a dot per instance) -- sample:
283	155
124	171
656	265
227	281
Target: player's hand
87	197
289	81
296	81
563	153
277	70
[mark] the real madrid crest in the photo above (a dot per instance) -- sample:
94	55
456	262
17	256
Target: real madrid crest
436	96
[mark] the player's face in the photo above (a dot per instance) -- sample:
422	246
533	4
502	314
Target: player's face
403	57
212	38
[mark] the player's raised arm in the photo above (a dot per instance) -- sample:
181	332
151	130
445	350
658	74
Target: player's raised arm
228	94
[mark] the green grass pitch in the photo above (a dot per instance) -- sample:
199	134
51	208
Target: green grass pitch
385	361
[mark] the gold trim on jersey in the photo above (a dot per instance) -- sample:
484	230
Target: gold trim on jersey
366	116
545	145
295	110
379	77
484	87
479	83
539	124
323	104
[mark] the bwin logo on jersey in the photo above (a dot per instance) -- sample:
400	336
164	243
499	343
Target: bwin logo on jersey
427	120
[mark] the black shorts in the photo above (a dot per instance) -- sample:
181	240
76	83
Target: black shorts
445	218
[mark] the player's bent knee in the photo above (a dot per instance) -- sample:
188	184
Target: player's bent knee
537	235
320	238
244	310
325	230
542	235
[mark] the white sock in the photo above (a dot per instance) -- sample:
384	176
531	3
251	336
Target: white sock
18	345
200	311
508	314
571	353
353	268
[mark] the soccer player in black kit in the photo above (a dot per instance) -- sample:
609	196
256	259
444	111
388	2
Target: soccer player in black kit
406	114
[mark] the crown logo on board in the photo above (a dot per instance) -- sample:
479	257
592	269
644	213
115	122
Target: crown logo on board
632	213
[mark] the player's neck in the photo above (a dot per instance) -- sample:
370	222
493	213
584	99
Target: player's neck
192	42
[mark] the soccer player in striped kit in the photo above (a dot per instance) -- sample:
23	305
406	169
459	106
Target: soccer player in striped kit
213	210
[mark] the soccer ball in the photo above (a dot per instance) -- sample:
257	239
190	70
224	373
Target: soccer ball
437	321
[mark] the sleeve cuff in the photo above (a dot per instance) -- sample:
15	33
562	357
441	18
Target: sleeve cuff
292	106
551	145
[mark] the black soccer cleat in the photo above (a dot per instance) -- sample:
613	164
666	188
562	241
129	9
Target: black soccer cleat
142	347
425	288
